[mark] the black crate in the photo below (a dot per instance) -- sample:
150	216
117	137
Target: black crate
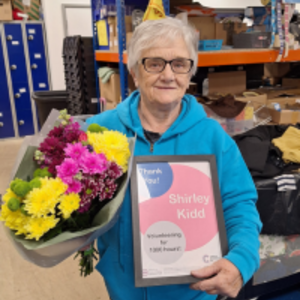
252	40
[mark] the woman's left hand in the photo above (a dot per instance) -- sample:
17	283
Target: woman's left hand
224	279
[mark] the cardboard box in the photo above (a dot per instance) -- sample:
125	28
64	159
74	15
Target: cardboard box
291	82
225	31
128	24
112	30
32	10
227	83
128	38
174	3
257	100
275	92
5	10
115	44
192	89
286	115
111	91
205	26
278	70
234	83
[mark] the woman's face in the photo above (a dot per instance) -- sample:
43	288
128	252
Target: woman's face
166	88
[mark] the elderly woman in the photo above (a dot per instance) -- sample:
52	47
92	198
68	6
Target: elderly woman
162	57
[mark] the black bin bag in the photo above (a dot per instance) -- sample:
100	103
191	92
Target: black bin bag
279	211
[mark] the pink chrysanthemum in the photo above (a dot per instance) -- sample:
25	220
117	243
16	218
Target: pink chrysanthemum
76	151
93	163
68	168
74	187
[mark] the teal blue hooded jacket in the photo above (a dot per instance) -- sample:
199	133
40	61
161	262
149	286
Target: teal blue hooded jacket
192	133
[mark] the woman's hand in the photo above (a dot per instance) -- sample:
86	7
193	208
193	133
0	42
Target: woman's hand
224	279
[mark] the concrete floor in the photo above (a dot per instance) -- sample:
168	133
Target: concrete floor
21	280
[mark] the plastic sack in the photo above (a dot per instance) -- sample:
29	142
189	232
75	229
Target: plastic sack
279	211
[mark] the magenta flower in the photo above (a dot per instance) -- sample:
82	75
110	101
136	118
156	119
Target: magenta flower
76	151
83	137
93	163
68	168
74	187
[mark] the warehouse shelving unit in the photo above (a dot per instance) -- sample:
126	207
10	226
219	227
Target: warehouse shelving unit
116	57
205	59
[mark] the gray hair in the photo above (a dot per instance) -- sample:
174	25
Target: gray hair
149	33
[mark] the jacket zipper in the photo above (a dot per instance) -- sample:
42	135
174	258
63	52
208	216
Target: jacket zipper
151	148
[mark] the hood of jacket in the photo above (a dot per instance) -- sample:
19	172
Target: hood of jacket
191	114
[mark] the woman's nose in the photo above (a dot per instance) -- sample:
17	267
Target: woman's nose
167	73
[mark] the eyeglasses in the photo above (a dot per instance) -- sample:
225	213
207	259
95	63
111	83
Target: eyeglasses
157	65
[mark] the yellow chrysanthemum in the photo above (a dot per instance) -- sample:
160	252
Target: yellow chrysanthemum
37	227
42	201
113	144
68	204
14	220
9	194
57	186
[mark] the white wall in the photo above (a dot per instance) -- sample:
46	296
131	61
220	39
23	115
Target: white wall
233	3
229	3
73	27
55	35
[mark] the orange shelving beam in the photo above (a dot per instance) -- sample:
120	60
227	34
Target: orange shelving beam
220	58
107	56
240	57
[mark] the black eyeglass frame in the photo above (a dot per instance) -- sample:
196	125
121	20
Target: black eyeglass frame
166	62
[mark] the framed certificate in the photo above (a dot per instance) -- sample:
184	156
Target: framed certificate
178	223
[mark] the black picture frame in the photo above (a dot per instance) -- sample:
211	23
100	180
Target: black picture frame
140	281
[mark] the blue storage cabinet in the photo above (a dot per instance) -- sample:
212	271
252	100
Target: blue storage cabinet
6	117
23	70
37	56
19	78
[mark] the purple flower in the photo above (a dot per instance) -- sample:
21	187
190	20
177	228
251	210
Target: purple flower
76	151
114	171
85	205
90	148
74	187
109	190
93	163
68	168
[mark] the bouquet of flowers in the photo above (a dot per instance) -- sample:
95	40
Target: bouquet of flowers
67	189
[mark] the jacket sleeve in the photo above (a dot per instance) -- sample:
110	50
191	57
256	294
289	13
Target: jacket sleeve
242	220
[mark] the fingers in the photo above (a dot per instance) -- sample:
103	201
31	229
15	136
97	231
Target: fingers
207	285
226	279
207	271
216	286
